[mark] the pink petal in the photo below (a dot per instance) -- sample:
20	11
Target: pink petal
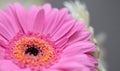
39	21
80	36
31	17
59	20
12	17
6	65
55	21
63	30
5	20
52	69
3	39
48	8
78	27
21	16
70	66
81	62
4	32
65	39
50	18
85	59
79	48
8	24
61	43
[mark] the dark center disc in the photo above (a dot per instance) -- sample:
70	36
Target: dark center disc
32	50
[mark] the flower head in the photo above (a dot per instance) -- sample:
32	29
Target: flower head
43	38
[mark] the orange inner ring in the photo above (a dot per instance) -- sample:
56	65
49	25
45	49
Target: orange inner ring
42	58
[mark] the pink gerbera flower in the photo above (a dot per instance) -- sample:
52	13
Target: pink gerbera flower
44	39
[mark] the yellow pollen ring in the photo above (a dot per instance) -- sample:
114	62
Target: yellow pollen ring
42	58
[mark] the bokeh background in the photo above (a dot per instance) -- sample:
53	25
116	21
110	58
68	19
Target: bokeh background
104	17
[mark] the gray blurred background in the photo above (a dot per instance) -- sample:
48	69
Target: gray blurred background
104	17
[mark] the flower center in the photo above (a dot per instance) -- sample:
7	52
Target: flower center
32	50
